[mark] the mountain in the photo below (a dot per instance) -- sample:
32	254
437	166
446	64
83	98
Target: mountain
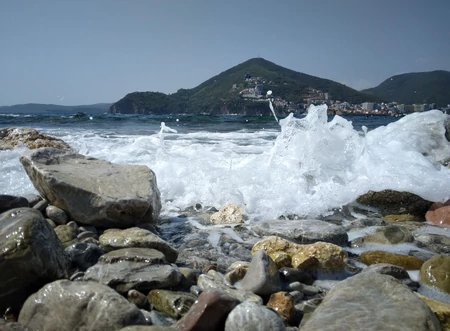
241	89
416	88
28	108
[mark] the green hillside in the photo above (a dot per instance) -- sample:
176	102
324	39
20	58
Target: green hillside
223	93
416	88
28	108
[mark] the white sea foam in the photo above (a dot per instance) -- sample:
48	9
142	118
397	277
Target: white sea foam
312	165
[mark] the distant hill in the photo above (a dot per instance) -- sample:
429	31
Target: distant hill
224	93
415	88
28	108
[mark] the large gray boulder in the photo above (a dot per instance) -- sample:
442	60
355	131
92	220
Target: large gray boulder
31	255
371	301
93	191
84	306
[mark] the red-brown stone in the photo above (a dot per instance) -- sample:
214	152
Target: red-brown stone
439	213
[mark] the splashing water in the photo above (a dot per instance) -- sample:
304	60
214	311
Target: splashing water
308	168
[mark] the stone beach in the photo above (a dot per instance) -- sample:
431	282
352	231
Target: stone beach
91	252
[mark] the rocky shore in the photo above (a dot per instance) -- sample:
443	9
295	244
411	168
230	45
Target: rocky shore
91	252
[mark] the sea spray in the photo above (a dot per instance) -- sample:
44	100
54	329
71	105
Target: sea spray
304	166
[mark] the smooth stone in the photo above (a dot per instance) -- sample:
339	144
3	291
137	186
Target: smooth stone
10	138
93	191
87	234
378	302
291	275
320	256
31	255
173	303
8	202
56	214
123	276
83	255
139	299
262	277
390	234
440	309
405	261
33	199
437	243
208	282
249	316
190	277
209	312
439	213
41	206
134	254
65	306
308	290
394	202
283	304
436	272
66	234
228	214
303	231
135	237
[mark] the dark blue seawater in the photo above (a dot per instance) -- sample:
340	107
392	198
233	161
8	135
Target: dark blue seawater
142	124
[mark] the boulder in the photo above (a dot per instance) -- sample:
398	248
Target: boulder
65	306
439	213
440	309
93	191
303	231
30	255
371	301
10	138
393	202
8	202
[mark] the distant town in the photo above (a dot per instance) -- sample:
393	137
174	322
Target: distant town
257	93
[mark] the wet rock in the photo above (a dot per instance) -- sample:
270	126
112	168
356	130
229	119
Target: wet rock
139	299
303	231
160	319
252	316
395	271
394	202
236	275
206	282
30	255
93	191
405	261
440	309
439	213
318	256
229	213
391	234
283	304
83	255
66	234
86	234
436	272
434	242
135	237
33	199
134	268
12	326
41	206
56	214
65	305
10	138
403	218
377	303
262	276
173	303
209	312
291	275
8	202
363	223
148	328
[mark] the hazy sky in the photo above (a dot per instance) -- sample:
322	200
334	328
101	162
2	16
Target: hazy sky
87	51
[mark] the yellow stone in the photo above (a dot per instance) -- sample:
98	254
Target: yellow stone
440	309
320	255
405	261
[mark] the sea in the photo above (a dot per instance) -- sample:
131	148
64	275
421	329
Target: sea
305	166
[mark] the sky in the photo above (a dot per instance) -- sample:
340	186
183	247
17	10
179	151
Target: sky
74	52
